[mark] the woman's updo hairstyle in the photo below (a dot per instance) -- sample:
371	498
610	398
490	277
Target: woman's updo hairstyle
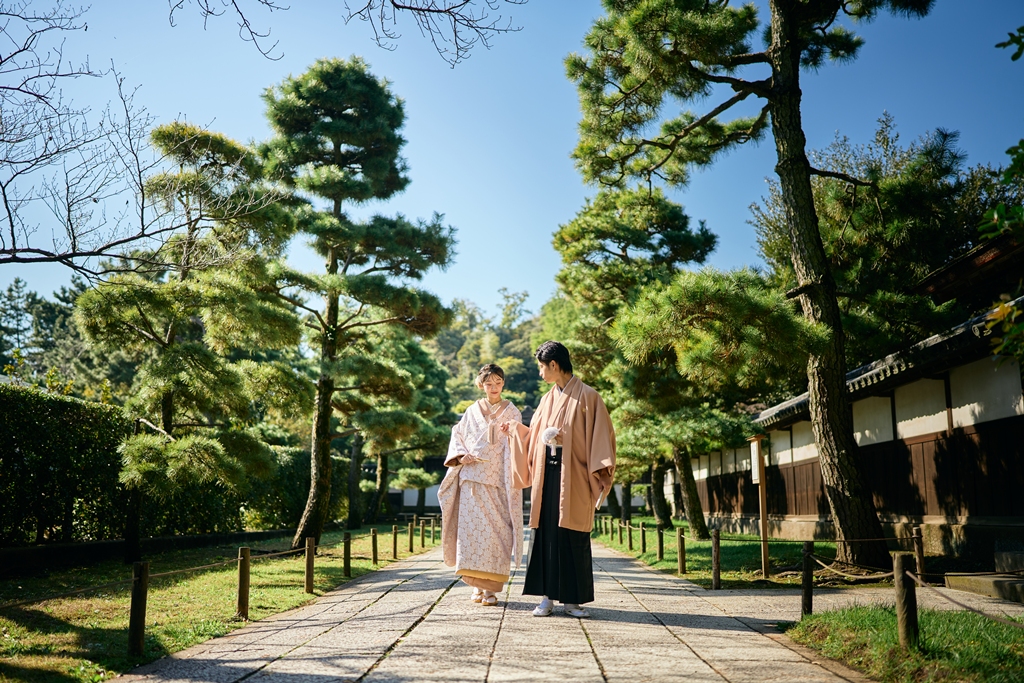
486	371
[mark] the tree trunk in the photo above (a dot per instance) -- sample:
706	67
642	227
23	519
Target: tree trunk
659	504
691	499
614	509
421	501
314	516
355	473
627	503
373	510
849	497
132	527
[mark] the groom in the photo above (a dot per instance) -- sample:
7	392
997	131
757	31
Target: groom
567	456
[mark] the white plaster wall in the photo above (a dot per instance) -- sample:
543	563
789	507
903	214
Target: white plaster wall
700	467
409	497
921	408
781	446
729	461
804	447
988	389
715	467
872	420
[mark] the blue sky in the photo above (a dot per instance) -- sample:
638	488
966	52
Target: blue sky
489	141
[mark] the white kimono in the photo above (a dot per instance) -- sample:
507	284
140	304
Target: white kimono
481	510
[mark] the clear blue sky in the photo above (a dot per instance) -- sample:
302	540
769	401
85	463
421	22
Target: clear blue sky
489	141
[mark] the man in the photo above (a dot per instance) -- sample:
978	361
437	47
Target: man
567	456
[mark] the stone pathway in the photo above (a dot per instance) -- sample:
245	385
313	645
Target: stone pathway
411	621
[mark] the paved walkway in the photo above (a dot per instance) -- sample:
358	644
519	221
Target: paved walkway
411	621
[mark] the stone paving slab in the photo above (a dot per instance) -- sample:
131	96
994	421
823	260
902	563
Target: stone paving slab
413	621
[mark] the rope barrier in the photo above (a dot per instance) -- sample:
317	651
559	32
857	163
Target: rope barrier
47	598
269	555
1001	620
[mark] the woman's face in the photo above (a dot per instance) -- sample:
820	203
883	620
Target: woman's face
492	387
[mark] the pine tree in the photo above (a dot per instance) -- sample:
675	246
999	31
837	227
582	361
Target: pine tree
16	304
645	54
192	330
337	141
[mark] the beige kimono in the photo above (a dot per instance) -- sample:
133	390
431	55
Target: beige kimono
481	510
588	449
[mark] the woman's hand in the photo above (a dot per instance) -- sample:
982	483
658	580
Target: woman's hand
468	459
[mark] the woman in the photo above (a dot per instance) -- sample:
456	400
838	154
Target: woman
481	511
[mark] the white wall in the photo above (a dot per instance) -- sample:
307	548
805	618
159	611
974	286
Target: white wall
409	497
988	389
715	464
804	447
872	420
780	446
729	458
921	408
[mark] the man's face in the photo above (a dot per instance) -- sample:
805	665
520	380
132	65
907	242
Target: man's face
548	371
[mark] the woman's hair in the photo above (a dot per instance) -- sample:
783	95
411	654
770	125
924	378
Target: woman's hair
554	351
486	371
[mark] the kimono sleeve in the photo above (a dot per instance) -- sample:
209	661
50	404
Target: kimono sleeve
456	446
601	451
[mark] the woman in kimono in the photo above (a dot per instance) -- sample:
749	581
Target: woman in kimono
481	510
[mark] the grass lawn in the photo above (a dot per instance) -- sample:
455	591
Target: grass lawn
741	556
955	646
85	637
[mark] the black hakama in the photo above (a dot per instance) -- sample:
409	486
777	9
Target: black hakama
560	565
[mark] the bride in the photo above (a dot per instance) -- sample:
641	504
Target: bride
481	512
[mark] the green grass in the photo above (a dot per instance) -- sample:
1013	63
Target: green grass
955	646
85	637
741	556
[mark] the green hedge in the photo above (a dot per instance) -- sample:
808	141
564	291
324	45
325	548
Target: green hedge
59	468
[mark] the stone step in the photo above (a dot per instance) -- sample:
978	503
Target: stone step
1005	586
1010	561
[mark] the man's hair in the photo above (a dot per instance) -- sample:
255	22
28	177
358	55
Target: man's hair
554	351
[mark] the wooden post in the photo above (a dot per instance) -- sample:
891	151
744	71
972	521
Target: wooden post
137	613
423	533
394	541
906	600
680	551
415	520
661	545
433	529
412	536
620	532
373	545
643	539
716	559
807	597
762	496
629	530
310	554
242	611
919	551
347	566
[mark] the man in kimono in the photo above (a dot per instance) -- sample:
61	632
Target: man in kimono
567	456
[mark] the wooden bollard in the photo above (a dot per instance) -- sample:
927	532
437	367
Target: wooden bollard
412	536
716	559
310	554
807	580
680	551
423	534
919	551
906	600
373	546
346	542
620	532
629	530
661	545
643	539
394	541
242	611
433	530
137	613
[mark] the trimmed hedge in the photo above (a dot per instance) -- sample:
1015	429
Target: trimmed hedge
58	468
